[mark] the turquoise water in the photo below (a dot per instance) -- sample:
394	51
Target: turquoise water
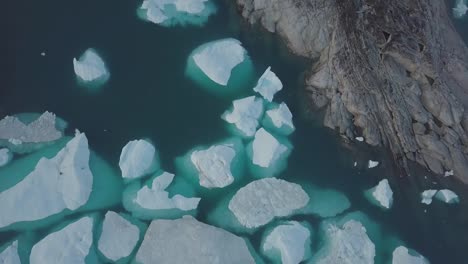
148	96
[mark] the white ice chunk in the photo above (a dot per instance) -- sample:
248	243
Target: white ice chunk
63	182
266	149
118	238
5	156
447	196
260	201
136	159
401	255
218	58
10	254
460	9
281	116
68	245
372	164
156	8
382	194
90	67
157	198
427	195
290	239
245	114
268	85
360	139
448	173
214	165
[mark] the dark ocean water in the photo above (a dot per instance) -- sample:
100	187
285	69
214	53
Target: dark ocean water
148	96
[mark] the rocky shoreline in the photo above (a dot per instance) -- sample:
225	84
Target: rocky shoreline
395	73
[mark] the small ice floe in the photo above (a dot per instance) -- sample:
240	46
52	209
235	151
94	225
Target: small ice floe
355	164
279	119
138	158
5	156
268	85
372	164
360	139
71	244
460	9
381	195
245	115
43	54
447	196
427	195
186	240
448	173
90	68
10	254
403	255
287	243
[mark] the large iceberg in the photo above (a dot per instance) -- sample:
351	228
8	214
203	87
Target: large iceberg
460	8
63	182
71	244
287	243
447	196
279	119
138	158
268	85
245	115
427	195
152	200
268	154
346	244
217	166
5	156
403	255
90	68
174	12
9	255
119	236
381	195
186	240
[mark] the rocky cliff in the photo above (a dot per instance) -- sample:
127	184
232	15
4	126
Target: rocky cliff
395	72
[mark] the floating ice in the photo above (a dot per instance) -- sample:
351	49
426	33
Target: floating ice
447	196
448	173
63	182
279	119
118	238
268	85
245	115
152	200
186	240
381	195
10	254
460	9
427	195
403	255
71	244
360	139
372	164
91	68
260	201
174	12
138	158
5	156
290	241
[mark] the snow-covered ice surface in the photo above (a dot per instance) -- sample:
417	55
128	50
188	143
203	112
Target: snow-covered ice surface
10	254
138	158
5	156
245	115
403	255
427	195
279	119
460	8
186	240
268	85
90	68
381	195
447	196
372	164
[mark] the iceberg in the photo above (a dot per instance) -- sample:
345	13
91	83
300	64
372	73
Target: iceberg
173	12
447	196
268	85
427	195
381	195
287	243
217	166
71	244
403	255
138	158
279	119
360	139
5	156
460	9
268	154
245	115
346	244
261	201
152	200
186	240
372	164
90	68
119	236
9	255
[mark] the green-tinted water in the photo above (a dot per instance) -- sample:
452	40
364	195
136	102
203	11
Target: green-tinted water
148	96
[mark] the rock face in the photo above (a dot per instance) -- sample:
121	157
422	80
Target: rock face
186	240
395	70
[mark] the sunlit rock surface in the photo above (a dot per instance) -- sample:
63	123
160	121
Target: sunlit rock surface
186	240
403	255
138	158
381	195
245	115
90	68
279	119
268	85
